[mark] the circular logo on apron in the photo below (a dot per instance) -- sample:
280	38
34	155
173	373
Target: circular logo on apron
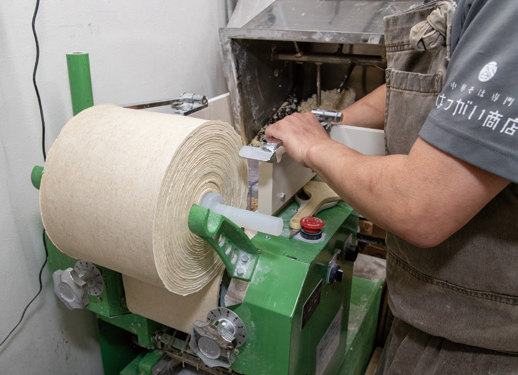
488	71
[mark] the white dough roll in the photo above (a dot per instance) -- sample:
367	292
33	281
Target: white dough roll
118	186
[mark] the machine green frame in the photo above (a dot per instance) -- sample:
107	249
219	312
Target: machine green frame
275	301
283	275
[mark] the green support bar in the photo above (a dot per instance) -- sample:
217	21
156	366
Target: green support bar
80	92
80	81
233	246
36	175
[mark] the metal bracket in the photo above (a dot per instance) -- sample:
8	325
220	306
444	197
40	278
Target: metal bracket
189	103
233	246
268	152
272	151
184	105
327	117
214	341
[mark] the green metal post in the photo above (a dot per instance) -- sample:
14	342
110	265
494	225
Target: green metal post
80	81
36	175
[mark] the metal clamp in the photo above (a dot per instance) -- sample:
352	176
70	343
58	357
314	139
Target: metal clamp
272	151
268	152
215	340
73	285
189	103
326	118
185	105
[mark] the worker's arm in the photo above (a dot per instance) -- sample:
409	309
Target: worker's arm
369	112
423	197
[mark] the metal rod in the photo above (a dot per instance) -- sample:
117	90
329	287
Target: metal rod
319	86
185	105
346	77
331	59
159	103
80	81
297	49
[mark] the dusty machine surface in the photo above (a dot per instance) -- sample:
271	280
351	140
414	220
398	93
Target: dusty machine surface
288	301
274	49
289	304
279	54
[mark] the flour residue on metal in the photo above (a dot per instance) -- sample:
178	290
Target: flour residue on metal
331	100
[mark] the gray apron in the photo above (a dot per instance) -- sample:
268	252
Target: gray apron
459	300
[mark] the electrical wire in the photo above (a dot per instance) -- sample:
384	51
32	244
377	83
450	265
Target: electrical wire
44	159
37	60
37	294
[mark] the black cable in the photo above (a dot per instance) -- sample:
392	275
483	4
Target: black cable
37	294
34	79
44	159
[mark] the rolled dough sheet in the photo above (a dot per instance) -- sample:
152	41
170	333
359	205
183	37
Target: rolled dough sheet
170	309
118	186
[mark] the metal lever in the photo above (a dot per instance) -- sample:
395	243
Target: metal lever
274	147
268	152
233	246
327	117
272	151
184	105
189	103
215	340
346	77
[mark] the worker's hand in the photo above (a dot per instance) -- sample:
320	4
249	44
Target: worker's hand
298	133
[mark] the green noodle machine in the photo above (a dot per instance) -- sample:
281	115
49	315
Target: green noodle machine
288	305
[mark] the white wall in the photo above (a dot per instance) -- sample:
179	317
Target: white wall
139	50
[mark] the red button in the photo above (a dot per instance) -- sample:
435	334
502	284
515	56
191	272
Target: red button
312	224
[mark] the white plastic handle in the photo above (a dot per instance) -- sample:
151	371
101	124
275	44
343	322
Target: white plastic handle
243	218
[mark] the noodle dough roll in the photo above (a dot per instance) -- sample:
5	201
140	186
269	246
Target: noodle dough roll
118	186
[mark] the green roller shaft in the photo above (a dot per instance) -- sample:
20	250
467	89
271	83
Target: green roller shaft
80	81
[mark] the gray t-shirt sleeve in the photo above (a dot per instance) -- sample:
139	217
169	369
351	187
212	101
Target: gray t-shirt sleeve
475	117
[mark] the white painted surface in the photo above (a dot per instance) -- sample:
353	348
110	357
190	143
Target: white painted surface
364	140
278	182
138	51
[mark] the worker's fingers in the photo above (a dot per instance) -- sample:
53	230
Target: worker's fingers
298	132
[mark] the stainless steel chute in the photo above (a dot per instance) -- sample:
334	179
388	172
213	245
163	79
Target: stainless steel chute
276	48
